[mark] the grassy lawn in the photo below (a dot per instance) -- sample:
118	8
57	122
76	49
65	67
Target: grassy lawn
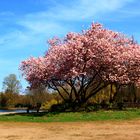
73	117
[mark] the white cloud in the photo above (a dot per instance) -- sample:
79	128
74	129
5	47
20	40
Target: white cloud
84	9
130	13
39	26
42	27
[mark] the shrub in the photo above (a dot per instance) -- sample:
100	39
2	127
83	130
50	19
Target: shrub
47	105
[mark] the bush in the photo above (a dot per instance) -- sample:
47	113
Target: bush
92	107
63	106
120	105
47	105
57	108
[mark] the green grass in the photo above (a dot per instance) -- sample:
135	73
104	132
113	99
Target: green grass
73	117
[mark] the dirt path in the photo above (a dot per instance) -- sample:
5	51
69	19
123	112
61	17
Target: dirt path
4	113
125	130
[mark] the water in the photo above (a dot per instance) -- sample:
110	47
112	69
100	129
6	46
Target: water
18	110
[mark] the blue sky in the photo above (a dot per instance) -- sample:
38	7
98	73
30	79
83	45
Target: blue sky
26	25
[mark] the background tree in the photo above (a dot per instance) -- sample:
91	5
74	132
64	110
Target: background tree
10	100
11	84
35	98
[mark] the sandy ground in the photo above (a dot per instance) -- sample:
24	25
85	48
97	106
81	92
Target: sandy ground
4	113
124	130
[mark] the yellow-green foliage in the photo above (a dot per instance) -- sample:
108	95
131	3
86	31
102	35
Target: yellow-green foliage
105	94
48	104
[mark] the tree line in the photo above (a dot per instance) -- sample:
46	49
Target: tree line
41	97
12	97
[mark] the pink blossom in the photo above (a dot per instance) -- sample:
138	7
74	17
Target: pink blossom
112	55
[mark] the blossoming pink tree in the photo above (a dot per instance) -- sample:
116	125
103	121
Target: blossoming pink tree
84	63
